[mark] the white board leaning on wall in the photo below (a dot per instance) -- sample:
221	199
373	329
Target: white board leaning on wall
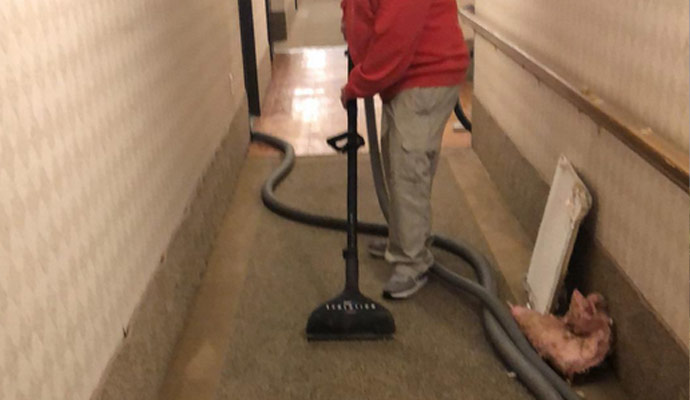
568	203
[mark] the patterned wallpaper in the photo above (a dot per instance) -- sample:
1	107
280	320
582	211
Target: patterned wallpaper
109	113
633	54
642	217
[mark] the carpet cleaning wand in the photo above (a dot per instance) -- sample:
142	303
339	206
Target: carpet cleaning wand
350	315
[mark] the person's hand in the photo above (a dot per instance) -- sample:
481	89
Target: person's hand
343	97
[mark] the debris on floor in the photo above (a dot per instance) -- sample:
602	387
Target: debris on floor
574	343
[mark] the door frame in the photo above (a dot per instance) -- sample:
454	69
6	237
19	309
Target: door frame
251	75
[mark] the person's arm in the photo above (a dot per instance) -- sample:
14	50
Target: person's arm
391	49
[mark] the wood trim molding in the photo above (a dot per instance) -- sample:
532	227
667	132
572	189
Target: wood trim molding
656	150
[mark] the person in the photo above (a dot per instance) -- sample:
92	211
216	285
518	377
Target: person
413	54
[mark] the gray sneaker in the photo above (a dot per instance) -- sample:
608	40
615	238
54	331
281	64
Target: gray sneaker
377	248
402	286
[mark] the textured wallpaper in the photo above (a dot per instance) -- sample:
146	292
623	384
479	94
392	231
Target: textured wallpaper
109	113
631	53
642	217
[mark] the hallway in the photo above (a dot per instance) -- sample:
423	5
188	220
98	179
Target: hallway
138	261
244	337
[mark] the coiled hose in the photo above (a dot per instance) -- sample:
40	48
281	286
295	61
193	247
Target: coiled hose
500	326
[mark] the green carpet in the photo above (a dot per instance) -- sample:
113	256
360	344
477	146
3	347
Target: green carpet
439	351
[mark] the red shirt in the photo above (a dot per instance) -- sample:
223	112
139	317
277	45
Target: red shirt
400	44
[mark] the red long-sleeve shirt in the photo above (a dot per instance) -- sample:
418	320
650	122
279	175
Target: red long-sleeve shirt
400	44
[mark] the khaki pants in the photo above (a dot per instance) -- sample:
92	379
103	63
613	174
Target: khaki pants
412	127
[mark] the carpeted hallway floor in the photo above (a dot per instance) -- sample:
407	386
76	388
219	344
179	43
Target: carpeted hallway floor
244	336
439	351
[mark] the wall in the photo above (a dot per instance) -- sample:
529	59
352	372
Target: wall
110	113
286	6
633	54
641	218
467	31
282	14
644	349
263	56
633	247
260	28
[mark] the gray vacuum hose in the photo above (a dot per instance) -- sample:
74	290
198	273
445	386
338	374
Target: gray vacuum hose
375	156
499	324
460	115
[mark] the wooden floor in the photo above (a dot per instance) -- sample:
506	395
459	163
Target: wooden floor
303	102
